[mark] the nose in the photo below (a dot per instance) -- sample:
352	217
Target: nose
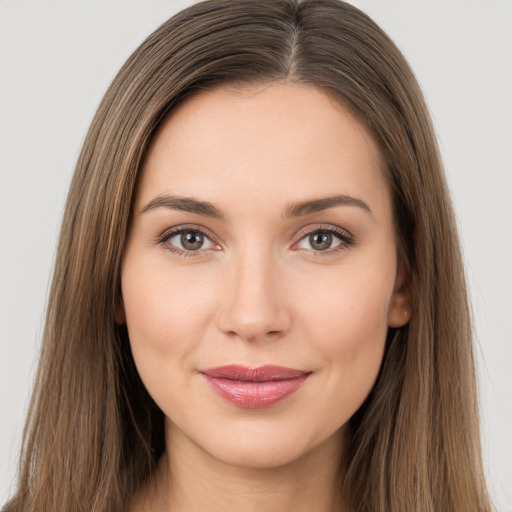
254	305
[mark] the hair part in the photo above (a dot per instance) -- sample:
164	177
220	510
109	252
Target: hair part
93	433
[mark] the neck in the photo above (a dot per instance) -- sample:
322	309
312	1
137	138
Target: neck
190	479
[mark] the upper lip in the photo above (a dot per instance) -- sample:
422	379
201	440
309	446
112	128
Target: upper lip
260	374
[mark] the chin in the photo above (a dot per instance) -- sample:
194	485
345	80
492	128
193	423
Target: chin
268	449
258	456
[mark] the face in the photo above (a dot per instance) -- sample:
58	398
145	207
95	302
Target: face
260	275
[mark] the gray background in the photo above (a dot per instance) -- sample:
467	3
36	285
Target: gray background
56	60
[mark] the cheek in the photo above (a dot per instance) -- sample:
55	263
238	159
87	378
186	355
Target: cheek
165	315
352	314
349	326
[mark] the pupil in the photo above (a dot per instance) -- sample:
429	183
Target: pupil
320	241
192	240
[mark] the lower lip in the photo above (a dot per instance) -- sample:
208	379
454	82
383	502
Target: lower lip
255	395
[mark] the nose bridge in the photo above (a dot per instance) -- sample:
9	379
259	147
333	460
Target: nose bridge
254	305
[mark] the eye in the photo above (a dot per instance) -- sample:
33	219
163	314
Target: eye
324	240
187	240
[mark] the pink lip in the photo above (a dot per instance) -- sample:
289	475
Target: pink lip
254	388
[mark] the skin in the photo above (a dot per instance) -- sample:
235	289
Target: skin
258	292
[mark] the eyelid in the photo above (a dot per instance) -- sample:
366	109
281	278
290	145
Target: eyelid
347	239
176	230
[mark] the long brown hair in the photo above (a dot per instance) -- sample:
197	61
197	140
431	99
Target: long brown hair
93	433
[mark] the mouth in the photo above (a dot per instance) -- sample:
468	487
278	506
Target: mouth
254	388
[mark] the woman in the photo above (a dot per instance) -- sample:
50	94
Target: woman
258	298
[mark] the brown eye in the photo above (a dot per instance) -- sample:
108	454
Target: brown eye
322	240
191	240
188	240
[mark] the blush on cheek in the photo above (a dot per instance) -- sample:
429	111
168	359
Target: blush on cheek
357	318
353	339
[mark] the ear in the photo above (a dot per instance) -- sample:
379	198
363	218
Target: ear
399	307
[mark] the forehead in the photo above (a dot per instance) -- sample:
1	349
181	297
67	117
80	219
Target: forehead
258	139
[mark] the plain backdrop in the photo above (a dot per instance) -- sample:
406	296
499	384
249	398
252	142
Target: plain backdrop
56	60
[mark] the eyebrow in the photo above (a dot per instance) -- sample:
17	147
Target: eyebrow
317	205
186	204
189	204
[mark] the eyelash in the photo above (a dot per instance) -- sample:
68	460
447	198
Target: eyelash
346	239
167	235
